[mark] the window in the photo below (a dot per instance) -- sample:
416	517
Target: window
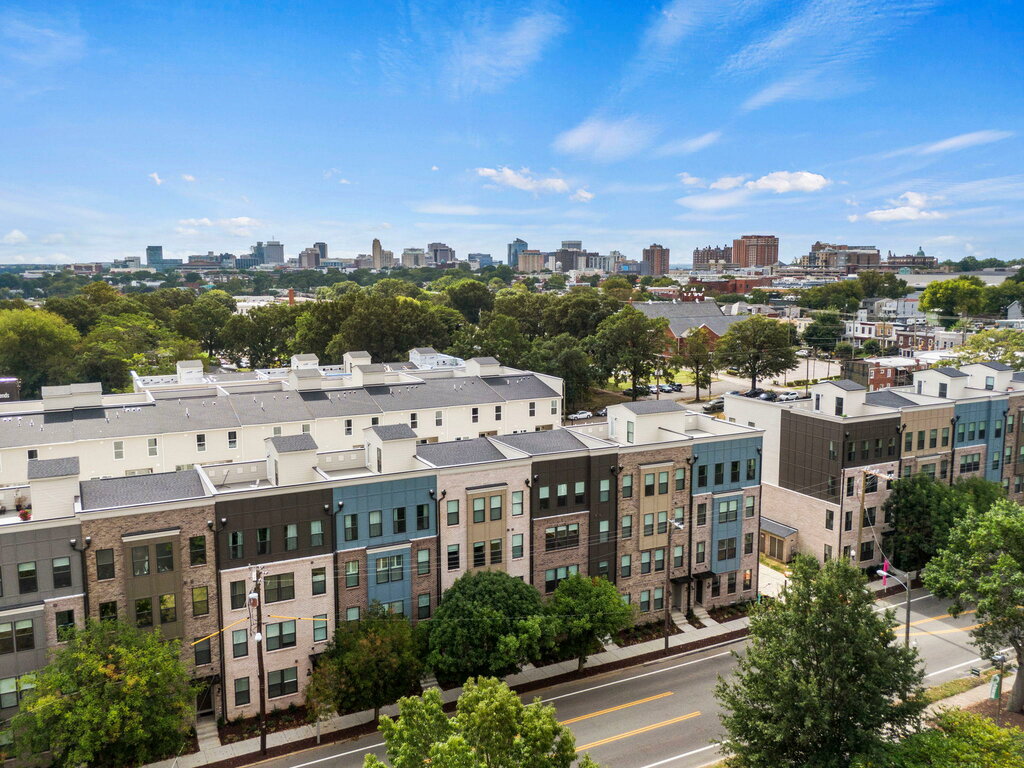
830	519
517	503
680	479
748	506
202	652
702	476
728	511
351	523
376	523
479	505
200	601
422	561
197	550
734	472
702	514
291	537
645	601
422	517
730	582
562	491
164	557
348	427
238	594
839	406
104	564
144	612
517	546
318	578
241	691
497	413
438	418
848	520
726	549
453	557
262	541
554	407
748	543
390	568
7	638
475	415
627	486
850	485
118	450
961	429
627	527
282	682
61	572
719	473
413	420
201	443
27	581
239	643
108	611
997	428
280	635
603	530
316	533
479	554
649	524
319	627
397	520
699	552
677	517
662	522
423	606
236	545
659	560
280	587
716	586
626	566
561	537
945	436
168	609
830	487
869	517
533	409
495	506
630	426
352	614
677	556
553	576
970	462
579	492
140	561
152	447
65	621
645	562
867	550
352	573
453	512
920	440
495	551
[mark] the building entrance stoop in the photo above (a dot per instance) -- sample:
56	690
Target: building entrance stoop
207	733
701	613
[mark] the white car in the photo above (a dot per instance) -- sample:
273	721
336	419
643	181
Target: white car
801	353
579	415
786	397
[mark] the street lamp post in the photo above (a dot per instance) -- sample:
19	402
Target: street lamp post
906	585
668	579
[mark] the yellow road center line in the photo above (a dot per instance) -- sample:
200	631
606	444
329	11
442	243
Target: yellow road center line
943	616
638	731
615	709
946	631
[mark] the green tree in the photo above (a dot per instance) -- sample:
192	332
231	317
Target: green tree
566	357
470	297
953	299
882	285
957	739
757	347
491	728
697	355
319	323
500	338
844	351
36	347
390	286
871	347
824	331
983	565
629	346
555	282
578	312
924	510
370	663
389	326
112	695
206	318
585	612
842	295
262	336
487	623
528	308
822	681
617	287
1005	345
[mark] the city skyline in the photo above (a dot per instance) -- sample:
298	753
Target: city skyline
698	122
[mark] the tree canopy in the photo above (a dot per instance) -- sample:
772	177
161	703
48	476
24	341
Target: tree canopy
757	348
822	681
953	298
629	346
697	355
133	700
36	346
585	612
825	331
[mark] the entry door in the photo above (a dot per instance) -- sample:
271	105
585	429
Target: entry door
700	591
204	700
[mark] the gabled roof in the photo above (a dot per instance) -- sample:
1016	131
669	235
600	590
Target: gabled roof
293	443
393	432
539	443
141	489
952	373
776	528
684	316
459	452
887	399
40	469
484	360
653	406
846	384
995	365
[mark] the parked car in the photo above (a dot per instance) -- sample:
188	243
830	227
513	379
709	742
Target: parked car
786	397
769	396
667	388
676	386
802	353
653	389
601	412
715	406
753	392
579	415
639	392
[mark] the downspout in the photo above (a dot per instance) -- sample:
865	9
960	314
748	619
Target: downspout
616	470
216	525
690	461
952	448
437	540
332	515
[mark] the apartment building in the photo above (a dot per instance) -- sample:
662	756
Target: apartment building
327	490
829	461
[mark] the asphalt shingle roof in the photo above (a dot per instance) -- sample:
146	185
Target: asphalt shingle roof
393	432
538	443
776	528
459	452
293	443
684	316
141	489
846	384
39	469
953	373
887	399
523	387
995	365
653	406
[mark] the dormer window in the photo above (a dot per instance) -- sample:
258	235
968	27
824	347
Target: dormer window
990	382
943	388
839	406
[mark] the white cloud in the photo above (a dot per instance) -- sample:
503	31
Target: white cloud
56	237
39	42
606	140
582	196
688	180
523	179
910	206
156	178
344	181
487	57
728	182
187	177
237	225
14	237
780	182
714	201
955	143
445	209
434	168
689	146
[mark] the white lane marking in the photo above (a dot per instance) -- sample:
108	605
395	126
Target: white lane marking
680	757
340	754
962	664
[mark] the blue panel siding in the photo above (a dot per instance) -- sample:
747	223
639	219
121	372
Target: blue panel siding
725	453
720	531
984	417
390	591
385	496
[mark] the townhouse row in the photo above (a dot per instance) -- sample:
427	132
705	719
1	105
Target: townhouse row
662	501
829	461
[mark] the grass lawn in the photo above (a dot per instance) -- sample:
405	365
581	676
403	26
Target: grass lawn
602	398
959	685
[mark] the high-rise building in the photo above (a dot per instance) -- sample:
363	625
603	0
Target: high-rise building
273	252
413	257
482	259
516	247
712	256
849	258
531	261
377	253
309	258
439	253
657	257
755	250
154	255
572	245
322	249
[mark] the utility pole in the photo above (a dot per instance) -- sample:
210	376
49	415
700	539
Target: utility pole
255	601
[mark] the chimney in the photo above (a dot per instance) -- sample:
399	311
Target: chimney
291	297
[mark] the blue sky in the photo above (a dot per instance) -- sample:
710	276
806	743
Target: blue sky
689	122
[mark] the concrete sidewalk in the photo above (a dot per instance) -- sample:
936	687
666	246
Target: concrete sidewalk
210	753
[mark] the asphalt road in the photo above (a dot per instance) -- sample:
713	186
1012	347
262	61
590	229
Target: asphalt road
664	713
